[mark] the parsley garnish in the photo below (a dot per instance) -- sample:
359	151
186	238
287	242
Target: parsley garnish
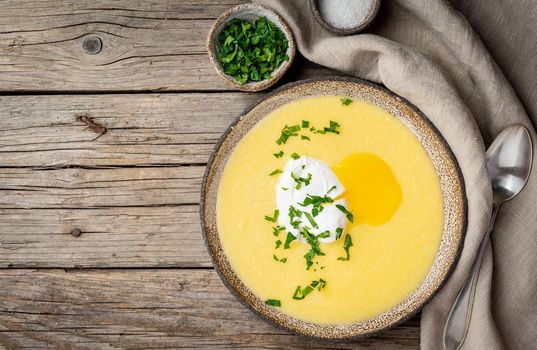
339	232
347	213
277	229
310	219
346	101
273	302
251	51
282	260
346	246
333	128
287	132
305	124
295	156
300	293
316	202
278	155
288	240
302	137
301	180
331	189
275	172
285	188
274	218
313	241
278	244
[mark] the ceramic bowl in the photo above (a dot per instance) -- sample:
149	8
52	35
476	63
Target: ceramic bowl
375	5
250	12
445	165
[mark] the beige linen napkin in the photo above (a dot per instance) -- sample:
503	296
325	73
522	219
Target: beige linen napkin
427	52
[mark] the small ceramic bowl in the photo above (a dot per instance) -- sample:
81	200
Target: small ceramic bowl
373	10
250	12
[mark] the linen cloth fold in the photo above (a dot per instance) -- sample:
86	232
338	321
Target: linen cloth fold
428	53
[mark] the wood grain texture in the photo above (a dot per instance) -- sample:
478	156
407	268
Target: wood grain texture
142	129
167	236
141	309
146	45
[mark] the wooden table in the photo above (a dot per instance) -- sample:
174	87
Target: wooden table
101	158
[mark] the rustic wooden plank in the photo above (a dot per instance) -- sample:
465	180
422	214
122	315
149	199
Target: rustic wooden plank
146	45
168	236
142	129
99	188
146	309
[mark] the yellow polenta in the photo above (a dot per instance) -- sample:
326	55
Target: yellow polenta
392	251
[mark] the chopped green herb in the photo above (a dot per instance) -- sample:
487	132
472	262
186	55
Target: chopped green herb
339	232
346	246
295	156
275	257
274	218
277	229
278	244
333	128
300	293
302	137
313	241
288	240
275	172
305	124
316	202
331	189
283	260
285	188
347	213
346	101
278	155
287	132
301	180
310	219
251	51
273	302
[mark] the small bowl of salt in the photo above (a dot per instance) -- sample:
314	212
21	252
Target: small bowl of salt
345	17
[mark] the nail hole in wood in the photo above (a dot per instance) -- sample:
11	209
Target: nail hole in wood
92	45
76	232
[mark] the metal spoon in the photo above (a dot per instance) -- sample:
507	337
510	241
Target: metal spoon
509	161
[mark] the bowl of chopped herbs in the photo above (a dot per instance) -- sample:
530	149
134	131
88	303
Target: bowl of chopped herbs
251	47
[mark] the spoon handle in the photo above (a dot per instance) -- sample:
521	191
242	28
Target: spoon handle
458	319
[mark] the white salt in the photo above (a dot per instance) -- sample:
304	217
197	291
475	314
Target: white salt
344	14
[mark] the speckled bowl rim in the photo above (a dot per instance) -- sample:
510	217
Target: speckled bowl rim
446	166
344	31
277	74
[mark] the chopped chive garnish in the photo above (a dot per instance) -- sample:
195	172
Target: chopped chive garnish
310	219
278	155
275	172
287	132
274	218
339	232
347	213
302	137
346	101
305	124
295	156
273	302
346	246
300	293
301	180
333	128
313	241
288	240
277	229
278	244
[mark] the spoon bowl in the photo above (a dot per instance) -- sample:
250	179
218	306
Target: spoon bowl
509	161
